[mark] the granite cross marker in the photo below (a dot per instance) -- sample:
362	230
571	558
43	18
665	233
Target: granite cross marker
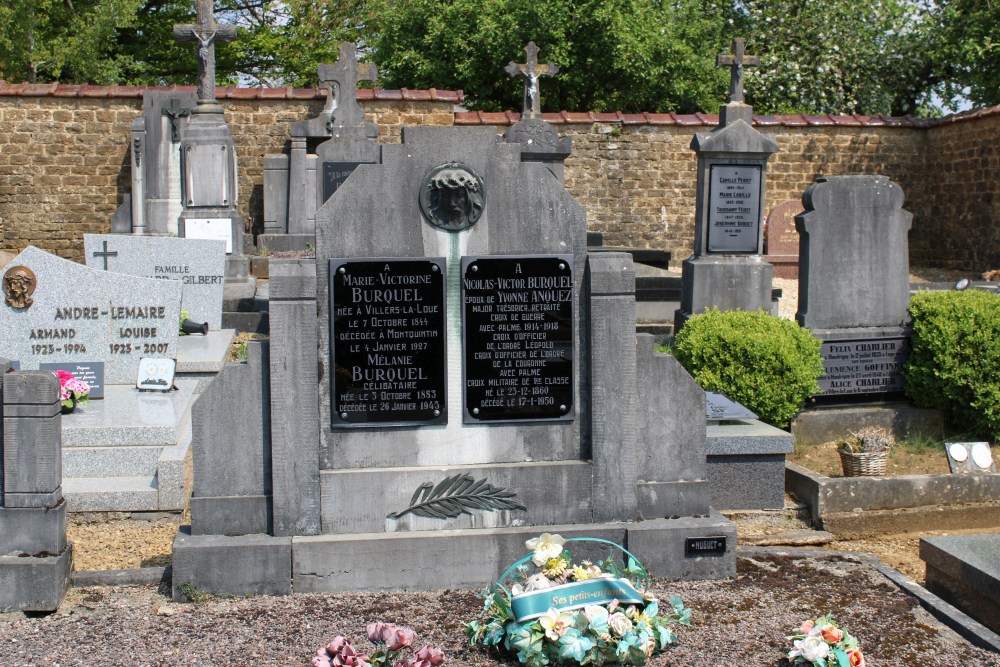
206	32
531	71
104	254
341	82
736	61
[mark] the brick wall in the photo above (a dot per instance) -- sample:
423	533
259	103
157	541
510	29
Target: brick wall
64	165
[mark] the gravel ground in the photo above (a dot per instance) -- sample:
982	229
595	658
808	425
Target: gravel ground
741	621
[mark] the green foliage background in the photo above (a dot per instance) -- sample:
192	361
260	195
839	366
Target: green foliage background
768	364
955	362
835	56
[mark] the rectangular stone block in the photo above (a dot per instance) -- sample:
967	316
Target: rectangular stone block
660	500
32	530
32	455
243	565
660	545
30	388
237	515
965	570
747	482
34	584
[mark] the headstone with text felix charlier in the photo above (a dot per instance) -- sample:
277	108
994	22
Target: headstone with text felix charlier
198	264
74	314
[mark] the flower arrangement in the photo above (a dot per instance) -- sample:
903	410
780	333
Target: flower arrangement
867	440
71	390
392	641
822	643
565	613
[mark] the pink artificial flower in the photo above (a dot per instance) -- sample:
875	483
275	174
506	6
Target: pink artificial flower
64	376
342	654
375	631
855	658
831	634
428	656
399	637
806	627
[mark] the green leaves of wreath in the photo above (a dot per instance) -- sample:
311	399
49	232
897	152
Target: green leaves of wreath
457	495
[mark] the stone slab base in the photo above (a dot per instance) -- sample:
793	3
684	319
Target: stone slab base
34	583
32	530
818	425
746	464
428	560
965	571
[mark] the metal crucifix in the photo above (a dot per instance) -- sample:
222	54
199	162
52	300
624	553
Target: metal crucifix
736	62
531	71
206	33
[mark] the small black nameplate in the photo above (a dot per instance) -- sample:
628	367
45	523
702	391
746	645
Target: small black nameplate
91	372
863	366
518	338
387	332
334	175
705	546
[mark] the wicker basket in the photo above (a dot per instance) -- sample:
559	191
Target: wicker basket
864	464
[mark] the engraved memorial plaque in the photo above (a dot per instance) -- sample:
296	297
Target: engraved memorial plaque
720	407
869	366
733	207
206	174
334	175
387	324
518	338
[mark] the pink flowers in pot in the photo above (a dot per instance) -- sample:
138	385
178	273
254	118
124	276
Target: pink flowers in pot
71	390
393	640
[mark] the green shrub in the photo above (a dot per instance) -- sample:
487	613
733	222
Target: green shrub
955	362
767	364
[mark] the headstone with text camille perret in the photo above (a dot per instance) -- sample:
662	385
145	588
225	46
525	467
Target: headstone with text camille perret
854	284
57	311
198	264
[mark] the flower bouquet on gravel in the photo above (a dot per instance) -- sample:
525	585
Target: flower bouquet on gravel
821	643
561	612
392	642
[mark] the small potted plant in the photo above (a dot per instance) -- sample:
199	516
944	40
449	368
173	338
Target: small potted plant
72	391
865	452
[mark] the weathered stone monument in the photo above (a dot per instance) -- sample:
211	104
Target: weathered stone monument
208	155
323	153
451	375
782	239
35	558
727	270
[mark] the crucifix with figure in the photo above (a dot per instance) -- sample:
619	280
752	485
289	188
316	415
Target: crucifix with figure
341	83
206	32
531	71
736	61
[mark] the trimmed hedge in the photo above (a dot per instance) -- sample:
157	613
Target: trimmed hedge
955	362
768	364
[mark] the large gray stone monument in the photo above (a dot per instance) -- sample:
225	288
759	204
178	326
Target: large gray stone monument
208	156
727	270
854	282
323	153
451	375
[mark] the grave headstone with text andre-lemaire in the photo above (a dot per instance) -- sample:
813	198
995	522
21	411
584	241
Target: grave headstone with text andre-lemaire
58	311
453	374
854	283
198	264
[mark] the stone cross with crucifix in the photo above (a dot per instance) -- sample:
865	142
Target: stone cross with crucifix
206	32
341	82
531	71
736	61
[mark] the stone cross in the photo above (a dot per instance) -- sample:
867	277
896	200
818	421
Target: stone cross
736	62
206	32
531	71
341	83
105	255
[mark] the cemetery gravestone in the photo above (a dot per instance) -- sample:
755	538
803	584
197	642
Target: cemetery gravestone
67	313
198	264
561	443
854	283
782	239
727	270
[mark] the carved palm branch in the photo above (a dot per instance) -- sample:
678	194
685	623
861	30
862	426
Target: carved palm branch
457	495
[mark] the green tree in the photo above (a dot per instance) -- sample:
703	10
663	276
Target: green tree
968	54
628	55
62	40
838	56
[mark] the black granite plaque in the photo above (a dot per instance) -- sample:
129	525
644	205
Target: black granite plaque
719	407
334	175
705	546
734	207
863	366
91	372
387	332
518	338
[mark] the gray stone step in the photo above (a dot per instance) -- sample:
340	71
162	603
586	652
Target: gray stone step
110	461
111	494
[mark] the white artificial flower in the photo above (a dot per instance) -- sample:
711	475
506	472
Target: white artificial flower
545	548
537	582
812	648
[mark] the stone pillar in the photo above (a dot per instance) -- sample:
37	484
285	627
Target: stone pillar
275	194
35	559
299	195
295	401
613	390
